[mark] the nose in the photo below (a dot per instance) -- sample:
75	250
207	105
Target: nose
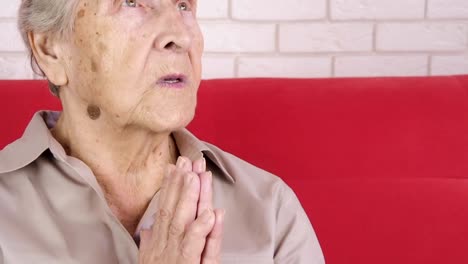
175	35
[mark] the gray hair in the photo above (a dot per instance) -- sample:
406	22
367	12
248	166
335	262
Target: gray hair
46	16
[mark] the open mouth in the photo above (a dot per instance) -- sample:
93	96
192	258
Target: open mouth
173	80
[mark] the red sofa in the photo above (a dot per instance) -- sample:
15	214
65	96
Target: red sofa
380	164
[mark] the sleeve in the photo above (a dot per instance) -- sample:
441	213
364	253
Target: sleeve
296	242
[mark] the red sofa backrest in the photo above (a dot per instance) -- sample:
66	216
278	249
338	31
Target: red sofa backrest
380	164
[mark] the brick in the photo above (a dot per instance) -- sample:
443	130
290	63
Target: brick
15	66
294	67
11	34
279	9
447	9
218	67
10	8
422	36
369	66
238	37
213	9
377	9
449	65
339	37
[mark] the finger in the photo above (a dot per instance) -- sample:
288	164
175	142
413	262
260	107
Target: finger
195	237
199	166
184	163
206	193
145	245
145	238
186	209
165	182
170	170
170	193
212	252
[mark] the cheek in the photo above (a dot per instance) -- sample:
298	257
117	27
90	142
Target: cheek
86	71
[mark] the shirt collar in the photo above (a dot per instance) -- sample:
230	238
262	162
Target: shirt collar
193	148
28	148
37	138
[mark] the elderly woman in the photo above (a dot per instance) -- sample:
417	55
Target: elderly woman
115	177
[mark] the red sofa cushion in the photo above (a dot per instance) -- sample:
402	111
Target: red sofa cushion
380	164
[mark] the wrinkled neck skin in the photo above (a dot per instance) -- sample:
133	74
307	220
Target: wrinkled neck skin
128	161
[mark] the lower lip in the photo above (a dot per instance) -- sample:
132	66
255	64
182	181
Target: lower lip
173	85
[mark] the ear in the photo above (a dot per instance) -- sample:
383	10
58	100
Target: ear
47	52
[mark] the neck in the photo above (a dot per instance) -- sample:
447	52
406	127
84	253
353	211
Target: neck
128	162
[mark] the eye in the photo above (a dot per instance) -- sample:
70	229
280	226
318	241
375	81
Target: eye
130	3
184	6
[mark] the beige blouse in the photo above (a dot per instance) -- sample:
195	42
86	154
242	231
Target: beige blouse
52	209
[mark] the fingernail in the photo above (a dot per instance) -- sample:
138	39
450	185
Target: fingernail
204	164
180	162
206	187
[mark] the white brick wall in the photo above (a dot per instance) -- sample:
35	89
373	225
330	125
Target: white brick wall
309	38
261	10
430	37
325	37
381	65
284	66
377	9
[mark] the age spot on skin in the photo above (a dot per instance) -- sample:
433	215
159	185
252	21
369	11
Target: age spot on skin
93	66
102	47
81	13
94	112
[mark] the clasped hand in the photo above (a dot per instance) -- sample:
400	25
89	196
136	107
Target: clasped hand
187	230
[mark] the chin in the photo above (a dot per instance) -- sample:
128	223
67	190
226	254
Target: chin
170	122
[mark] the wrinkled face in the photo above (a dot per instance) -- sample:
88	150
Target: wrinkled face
139	61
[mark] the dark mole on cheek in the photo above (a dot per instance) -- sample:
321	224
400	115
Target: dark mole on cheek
93	66
94	112
81	13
